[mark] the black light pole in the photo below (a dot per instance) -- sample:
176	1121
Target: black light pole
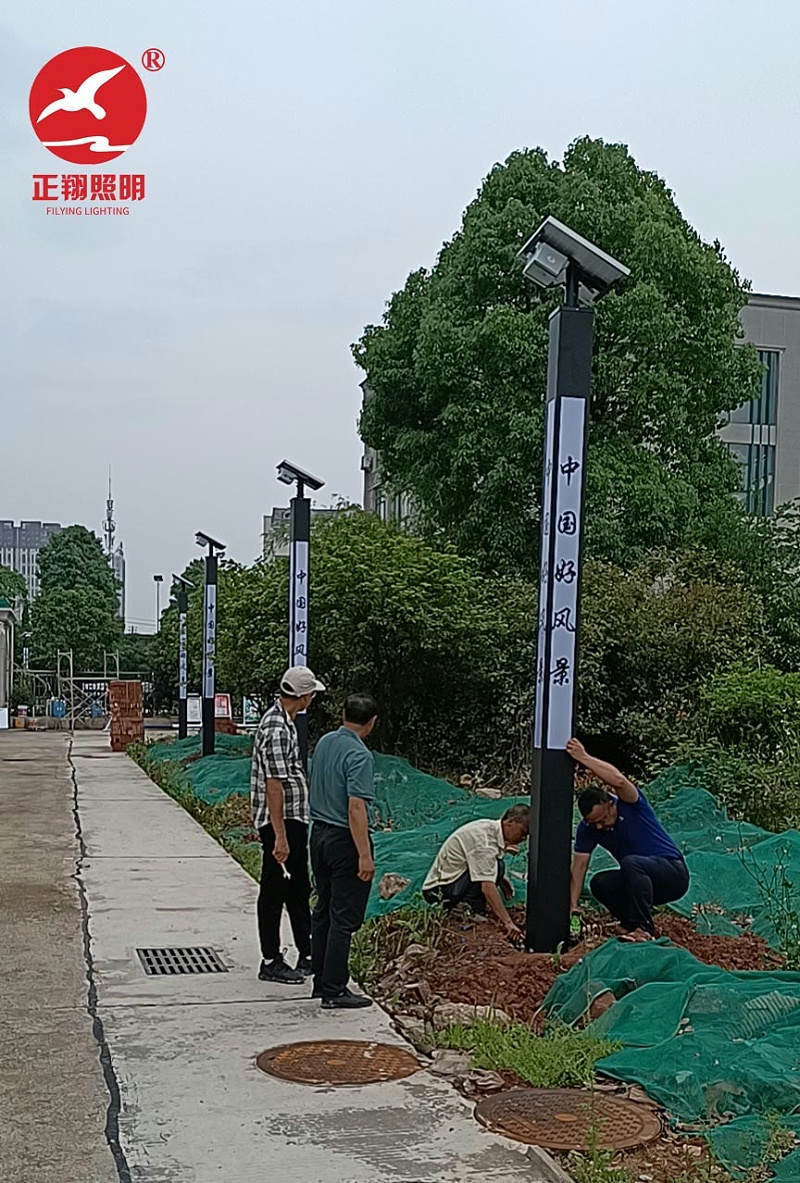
299	544
209	637
182	599
556	256
158	580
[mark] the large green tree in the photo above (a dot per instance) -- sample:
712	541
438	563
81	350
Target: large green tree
12	585
79	619
75	558
458	366
77	605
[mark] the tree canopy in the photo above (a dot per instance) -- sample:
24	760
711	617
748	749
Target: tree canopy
457	368
74	558
73	618
12	585
77	605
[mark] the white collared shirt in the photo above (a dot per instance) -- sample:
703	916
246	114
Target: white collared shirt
475	847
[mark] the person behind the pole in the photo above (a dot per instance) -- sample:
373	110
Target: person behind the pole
469	869
651	871
279	801
342	793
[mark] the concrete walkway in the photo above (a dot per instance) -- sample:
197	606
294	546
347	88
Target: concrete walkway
161	1086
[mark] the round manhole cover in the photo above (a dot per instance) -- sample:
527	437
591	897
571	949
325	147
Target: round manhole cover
338	1061
568	1119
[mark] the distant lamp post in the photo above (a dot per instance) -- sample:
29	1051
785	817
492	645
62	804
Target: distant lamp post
158	580
214	550
181	587
556	256
299	540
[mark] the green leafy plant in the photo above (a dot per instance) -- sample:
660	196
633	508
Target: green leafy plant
595	1166
383	939
781	898
560	1058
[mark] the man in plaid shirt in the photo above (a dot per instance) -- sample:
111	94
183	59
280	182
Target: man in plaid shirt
279	801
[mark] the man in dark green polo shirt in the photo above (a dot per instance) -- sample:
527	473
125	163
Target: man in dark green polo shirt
342	792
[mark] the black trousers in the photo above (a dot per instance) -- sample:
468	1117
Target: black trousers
278	892
640	883
464	891
341	906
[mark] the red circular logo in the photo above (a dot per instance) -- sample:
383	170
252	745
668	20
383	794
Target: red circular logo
87	105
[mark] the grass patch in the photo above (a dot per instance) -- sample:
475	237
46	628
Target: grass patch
385	938
560	1058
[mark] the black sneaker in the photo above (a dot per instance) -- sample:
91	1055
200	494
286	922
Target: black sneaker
279	971
346	1001
305	967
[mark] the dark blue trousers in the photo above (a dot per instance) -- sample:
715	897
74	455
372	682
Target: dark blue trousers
640	884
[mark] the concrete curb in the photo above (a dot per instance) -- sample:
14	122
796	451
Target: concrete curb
547	1167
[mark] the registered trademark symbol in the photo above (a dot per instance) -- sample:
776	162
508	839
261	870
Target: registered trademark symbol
154	59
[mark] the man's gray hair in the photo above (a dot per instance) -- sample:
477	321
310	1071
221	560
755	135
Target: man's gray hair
519	814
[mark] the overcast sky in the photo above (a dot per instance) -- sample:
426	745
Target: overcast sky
301	158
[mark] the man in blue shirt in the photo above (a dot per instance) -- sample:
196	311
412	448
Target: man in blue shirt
342	792
651	867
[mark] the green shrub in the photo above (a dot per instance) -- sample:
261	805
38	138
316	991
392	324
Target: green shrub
751	710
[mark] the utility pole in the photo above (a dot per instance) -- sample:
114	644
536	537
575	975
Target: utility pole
209	637
182	599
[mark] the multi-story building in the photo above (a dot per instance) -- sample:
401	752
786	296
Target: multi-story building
389	505
117	561
275	534
20	546
763	435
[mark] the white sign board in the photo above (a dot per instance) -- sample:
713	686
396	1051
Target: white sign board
558	588
298	645
210	642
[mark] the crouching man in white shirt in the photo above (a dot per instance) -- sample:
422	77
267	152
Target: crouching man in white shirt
469	869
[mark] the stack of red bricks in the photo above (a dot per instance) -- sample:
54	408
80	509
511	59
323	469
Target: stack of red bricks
125	708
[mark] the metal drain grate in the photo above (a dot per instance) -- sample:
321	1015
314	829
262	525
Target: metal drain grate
568	1119
338	1061
181	961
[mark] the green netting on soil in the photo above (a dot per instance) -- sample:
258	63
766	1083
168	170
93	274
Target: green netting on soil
416	812
704	1042
708	1044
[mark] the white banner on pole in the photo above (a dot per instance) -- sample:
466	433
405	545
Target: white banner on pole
299	640
182	671
567	534
543	570
210	640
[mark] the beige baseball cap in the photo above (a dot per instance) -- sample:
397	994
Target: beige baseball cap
300	680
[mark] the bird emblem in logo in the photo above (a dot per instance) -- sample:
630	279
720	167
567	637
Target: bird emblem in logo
87	105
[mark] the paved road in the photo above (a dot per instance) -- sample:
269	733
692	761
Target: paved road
53	1098
178	1083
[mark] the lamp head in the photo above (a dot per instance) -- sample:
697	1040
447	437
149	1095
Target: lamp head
205	540
551	250
181	581
290	474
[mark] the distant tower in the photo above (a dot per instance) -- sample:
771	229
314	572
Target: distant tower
116	557
109	526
